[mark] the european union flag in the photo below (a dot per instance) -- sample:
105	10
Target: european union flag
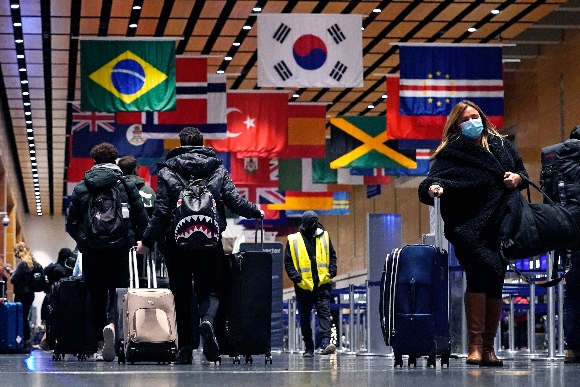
122	75
434	78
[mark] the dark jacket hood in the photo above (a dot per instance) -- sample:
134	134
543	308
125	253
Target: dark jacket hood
199	161
137	180
102	175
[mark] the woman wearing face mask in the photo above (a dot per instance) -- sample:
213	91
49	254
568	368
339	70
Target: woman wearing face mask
476	172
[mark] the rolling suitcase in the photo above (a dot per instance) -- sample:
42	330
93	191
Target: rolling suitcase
247	305
68	328
11	324
414	302
148	320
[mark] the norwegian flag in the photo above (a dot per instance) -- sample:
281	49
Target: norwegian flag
92	120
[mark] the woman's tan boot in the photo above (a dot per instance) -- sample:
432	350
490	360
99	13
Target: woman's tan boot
475	316
492	317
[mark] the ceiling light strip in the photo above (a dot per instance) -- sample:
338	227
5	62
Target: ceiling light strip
21	60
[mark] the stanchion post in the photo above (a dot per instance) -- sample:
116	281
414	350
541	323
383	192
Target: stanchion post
351	316
532	319
511	323
292	325
561	318
551	312
368	313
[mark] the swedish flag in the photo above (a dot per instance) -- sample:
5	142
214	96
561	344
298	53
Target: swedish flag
122	75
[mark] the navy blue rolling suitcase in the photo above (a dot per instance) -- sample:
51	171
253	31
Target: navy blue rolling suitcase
414	304
11	324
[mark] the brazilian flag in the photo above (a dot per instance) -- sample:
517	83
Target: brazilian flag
127	75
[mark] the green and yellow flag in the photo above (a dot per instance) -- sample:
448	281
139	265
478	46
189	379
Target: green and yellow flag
361	142
127	75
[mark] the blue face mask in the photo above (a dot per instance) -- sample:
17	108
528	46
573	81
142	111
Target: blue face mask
472	129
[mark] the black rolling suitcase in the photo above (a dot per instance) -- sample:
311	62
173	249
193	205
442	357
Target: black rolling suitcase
246	304
68	331
414	302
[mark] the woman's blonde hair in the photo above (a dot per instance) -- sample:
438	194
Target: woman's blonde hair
22	252
452	131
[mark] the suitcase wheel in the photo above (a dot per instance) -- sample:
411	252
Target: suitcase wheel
82	357
249	359
412	361
121	357
236	359
445	359
268	359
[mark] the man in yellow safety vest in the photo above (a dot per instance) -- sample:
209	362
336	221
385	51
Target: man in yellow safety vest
310	262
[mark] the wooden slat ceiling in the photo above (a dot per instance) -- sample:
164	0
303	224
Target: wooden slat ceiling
50	31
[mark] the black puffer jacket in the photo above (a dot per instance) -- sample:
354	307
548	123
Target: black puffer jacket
200	162
97	178
475	199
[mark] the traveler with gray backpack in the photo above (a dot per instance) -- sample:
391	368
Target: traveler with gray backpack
193	189
106	217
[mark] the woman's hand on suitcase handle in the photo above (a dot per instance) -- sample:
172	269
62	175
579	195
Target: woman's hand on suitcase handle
141	248
435	190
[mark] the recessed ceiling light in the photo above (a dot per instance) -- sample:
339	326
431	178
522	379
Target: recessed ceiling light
220	71
371	106
22	69
27	113
19	56
24	81
28	130
136	7
495	11
31	138
384	96
257	9
17	24
236	44
14	6
471	29
26	103
132	25
296	95
362	28
18	40
25	93
29	122
376	10
228	58
247	27
32	150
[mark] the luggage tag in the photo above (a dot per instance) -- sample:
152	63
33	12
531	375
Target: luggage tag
125	210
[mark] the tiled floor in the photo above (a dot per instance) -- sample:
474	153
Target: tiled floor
38	370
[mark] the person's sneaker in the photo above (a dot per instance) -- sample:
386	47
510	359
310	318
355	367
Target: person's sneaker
109	345
184	356
308	353
326	347
571	356
211	349
99	355
44	346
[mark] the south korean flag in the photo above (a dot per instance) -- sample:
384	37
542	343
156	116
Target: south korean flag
306	50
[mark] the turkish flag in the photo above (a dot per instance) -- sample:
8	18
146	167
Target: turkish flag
257	124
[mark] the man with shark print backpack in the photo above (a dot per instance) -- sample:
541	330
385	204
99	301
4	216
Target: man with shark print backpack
184	169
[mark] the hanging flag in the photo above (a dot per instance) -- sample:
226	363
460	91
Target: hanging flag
375	176
251	170
423	162
435	77
127	139
373	190
310	50
305	201
340	206
91	120
297	175
257	124
417	128
306	131
360	142
196	91
127	75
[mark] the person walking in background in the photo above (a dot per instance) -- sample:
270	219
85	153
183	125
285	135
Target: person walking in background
54	273
106	217
476	171
310	262
193	160
27	279
128	165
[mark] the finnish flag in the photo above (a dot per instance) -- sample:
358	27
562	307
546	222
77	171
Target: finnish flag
306	50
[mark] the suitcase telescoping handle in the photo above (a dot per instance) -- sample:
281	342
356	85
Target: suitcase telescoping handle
134	272
260	225
439	237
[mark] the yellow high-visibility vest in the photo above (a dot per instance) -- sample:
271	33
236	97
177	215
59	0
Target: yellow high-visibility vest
302	261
